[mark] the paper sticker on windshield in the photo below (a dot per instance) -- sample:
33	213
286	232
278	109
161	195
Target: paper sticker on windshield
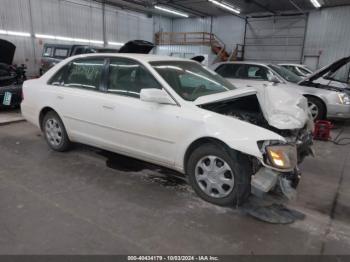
7	99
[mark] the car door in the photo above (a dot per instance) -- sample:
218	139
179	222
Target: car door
140	129
79	100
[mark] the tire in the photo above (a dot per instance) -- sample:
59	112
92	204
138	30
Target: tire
319	111
235	193
55	133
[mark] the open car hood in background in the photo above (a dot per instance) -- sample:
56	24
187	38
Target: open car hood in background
326	70
7	52
137	47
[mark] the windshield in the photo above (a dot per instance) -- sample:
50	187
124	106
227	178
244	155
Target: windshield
191	80
305	70
286	74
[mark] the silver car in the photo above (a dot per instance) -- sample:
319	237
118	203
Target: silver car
325	100
298	69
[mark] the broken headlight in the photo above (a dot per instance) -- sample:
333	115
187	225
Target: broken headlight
282	156
344	99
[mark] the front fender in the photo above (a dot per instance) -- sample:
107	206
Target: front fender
236	134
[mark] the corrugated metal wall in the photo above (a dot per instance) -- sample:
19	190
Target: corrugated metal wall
230	29
328	35
275	39
70	18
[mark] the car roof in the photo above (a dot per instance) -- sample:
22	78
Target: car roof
292	64
140	57
246	62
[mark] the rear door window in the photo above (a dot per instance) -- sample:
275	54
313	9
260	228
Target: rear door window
85	73
228	70
128	77
61	52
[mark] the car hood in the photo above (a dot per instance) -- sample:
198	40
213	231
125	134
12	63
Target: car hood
282	108
331	68
7	52
137	47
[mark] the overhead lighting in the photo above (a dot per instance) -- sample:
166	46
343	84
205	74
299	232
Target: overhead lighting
316	3
45	36
69	39
171	11
116	43
5	32
225	6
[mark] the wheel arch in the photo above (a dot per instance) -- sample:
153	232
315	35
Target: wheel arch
42	114
320	99
198	142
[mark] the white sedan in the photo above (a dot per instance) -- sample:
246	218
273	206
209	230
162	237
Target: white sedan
174	113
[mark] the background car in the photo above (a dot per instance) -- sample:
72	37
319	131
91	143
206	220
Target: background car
11	76
174	113
300	70
54	53
324	100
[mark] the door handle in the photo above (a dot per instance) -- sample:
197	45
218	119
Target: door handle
108	107
60	97
248	86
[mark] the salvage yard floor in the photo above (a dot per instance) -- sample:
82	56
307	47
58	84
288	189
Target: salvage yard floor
82	202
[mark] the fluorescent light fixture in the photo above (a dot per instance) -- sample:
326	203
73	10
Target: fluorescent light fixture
5	32
45	36
115	43
171	11
97	42
316	3
226	6
69	39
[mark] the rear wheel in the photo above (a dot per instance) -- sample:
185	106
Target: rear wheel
55	132
317	109
219	175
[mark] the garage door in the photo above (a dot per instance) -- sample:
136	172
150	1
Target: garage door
275	39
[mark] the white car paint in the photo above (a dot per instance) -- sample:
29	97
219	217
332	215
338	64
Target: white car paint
158	133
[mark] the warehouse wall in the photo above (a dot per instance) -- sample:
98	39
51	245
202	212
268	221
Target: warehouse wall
70	18
274	39
230	29
328	36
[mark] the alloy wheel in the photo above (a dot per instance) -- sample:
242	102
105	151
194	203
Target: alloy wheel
53	132
214	176
313	109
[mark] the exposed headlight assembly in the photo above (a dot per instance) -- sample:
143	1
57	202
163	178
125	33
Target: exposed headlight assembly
282	156
344	99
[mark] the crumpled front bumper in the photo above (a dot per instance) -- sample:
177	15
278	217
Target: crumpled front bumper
269	179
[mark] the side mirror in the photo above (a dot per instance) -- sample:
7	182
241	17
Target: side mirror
273	79
156	96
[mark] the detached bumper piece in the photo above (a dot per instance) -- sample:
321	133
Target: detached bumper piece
266	180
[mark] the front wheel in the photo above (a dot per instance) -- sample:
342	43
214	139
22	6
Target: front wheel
316	108
219	175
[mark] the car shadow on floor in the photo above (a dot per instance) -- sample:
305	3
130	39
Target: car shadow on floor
164	176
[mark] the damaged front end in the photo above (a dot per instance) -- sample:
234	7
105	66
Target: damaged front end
277	170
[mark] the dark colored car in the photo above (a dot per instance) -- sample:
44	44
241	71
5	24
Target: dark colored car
55	53
11	76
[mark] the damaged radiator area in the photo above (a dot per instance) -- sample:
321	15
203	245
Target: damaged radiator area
265	180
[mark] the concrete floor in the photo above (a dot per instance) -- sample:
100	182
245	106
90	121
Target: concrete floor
10	116
75	203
